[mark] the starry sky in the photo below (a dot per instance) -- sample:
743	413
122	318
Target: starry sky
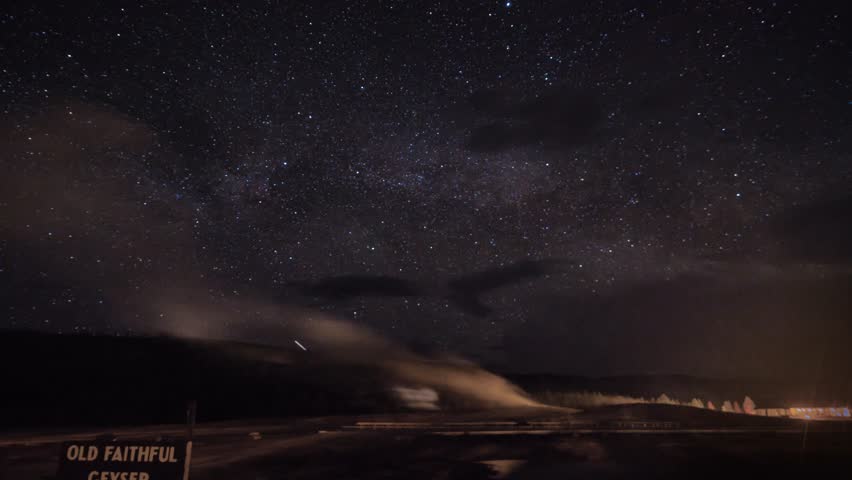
686	164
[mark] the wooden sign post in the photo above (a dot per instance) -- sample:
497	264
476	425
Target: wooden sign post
106	460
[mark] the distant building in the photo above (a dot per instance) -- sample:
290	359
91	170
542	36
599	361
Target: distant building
807	413
772	412
820	413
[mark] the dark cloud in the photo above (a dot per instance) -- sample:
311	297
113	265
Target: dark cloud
464	291
554	119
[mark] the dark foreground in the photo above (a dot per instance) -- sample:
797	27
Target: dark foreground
614	442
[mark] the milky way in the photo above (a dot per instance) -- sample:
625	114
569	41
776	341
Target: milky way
674	153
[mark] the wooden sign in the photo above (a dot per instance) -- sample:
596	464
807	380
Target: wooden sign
106	460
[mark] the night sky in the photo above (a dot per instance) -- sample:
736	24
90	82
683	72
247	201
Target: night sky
577	187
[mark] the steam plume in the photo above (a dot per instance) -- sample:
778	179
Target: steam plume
83	180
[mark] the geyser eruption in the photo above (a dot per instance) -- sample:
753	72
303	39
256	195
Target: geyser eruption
587	399
342	341
418	381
